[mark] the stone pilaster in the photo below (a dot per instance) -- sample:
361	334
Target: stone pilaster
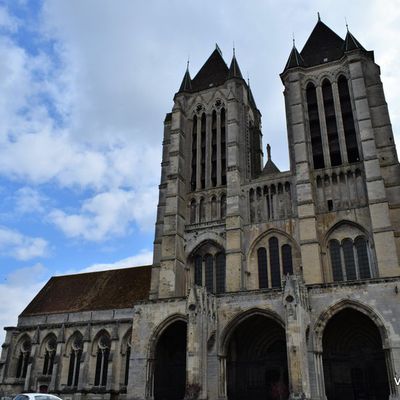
172	262
382	230
309	243
297	318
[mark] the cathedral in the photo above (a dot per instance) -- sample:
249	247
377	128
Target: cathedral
265	284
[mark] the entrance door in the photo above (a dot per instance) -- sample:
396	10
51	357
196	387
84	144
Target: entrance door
257	361
170	363
353	358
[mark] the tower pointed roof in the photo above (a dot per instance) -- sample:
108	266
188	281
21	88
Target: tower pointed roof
234	70
351	43
295	59
186	85
323	45
212	73
270	167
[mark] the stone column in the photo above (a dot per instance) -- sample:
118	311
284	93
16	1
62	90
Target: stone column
339	122
295	302
322	124
141	369
84	376
55	377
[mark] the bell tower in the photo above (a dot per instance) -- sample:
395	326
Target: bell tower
212	145
341	149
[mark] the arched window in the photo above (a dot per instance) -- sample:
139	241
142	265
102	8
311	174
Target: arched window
214	149
75	356
202	210
103	353
274	262
49	354
127	357
220	272
198	271
194	155
348	120
214	208
209	272
203	152
223	206
287	259
209	267
331	125
355	256
334	249
362	258
23	358
262	268
223	148
315	128
193	211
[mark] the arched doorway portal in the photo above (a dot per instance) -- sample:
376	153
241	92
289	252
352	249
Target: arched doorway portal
257	361
170	363
353	358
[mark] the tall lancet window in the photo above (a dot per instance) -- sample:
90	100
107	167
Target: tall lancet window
348	121
315	128
274	262
203	152
23	358
214	149
223	147
103	353
49	355
75	356
331	125
194	155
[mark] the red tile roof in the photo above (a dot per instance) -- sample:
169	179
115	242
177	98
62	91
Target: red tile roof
105	290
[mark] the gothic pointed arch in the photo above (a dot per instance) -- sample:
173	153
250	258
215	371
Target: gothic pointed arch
356	360
272	255
167	359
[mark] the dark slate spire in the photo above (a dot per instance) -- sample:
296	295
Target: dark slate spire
234	70
295	59
186	85
212	73
351	43
322	46
270	167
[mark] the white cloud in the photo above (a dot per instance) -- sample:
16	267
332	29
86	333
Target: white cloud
108	214
144	257
29	200
17	290
16	245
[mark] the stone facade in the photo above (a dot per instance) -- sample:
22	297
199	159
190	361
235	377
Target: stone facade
264	284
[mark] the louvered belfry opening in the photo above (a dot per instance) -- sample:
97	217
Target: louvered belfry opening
257	361
170	363
353	358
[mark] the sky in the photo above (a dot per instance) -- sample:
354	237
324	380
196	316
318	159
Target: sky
84	89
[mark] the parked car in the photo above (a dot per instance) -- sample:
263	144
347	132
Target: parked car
36	396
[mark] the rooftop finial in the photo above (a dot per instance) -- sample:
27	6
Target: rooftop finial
187	64
319	17
347	25
248	79
268	151
293	39
234	49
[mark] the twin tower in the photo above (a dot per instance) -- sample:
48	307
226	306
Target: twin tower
272	284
